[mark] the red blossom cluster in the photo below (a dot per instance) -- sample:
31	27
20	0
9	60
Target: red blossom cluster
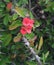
9	5
27	25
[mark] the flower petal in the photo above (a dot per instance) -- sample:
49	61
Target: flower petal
23	31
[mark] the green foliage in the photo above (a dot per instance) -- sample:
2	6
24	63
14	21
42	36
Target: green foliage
29	36
4	61
41	38
6	19
15	16
44	56
7	0
23	2
20	11
49	5
6	38
14	25
32	63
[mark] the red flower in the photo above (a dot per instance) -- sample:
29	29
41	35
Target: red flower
9	5
28	22
23	30
27	25
28	29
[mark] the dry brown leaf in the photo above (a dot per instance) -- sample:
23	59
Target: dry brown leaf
17	38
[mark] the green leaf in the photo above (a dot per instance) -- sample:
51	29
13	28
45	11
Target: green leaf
43	57
31	15
31	63
52	45
50	7
2	4
40	43
37	23
6	38
25	1
20	11
4	60
6	20
20	3
46	1
7	0
29	36
15	16
1	9
46	55
14	25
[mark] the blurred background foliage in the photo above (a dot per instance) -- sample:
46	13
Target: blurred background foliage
13	51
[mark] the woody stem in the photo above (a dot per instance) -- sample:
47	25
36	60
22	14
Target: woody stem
37	58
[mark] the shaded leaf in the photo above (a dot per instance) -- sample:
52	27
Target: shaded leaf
31	63
2	4
6	20
4	61
6	38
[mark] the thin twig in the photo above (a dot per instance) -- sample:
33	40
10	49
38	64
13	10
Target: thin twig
37	58
29	5
31	9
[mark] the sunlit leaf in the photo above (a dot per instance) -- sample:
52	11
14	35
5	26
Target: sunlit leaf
20	11
31	15
15	16
29	36
37	24
40	43
14	25
46	55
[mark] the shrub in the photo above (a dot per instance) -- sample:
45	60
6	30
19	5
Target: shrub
26	25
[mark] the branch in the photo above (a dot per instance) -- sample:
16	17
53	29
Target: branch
37	58
31	9
29	2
